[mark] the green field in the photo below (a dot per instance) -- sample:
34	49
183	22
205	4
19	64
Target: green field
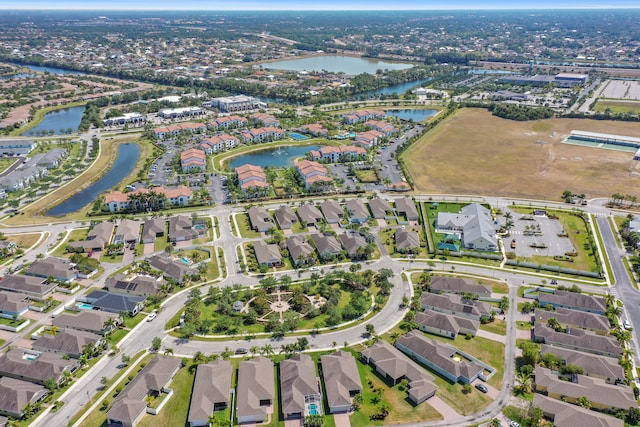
618	107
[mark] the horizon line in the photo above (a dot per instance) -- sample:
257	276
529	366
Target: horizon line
431	9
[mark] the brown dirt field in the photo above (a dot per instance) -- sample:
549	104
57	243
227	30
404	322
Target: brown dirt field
473	152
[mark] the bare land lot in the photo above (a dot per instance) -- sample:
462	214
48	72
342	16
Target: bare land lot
473	152
621	89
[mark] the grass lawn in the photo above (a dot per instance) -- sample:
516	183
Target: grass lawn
401	409
177	408
618	107
365	176
5	163
498	326
131	322
473	143
114	259
452	395
24	240
245	228
75	235
161	242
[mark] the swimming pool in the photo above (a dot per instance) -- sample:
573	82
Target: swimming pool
29	356
313	409
84	306
185	260
298	136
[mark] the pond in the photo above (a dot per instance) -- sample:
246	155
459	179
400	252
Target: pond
280	157
398	89
125	162
415	114
59	121
336	64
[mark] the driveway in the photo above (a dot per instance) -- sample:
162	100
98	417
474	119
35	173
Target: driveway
445	410
492	391
342	420
293	423
148	248
491	336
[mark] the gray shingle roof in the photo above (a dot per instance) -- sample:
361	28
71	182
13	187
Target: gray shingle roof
255	383
297	380
568	415
341	376
16	394
212	385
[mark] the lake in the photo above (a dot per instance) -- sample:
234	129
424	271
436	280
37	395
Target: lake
281	157
415	114
59	120
335	64
125	162
51	70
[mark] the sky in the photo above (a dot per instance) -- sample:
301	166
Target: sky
317	5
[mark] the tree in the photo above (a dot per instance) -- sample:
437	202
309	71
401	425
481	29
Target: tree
104	381
267	350
51	384
53	330
125	359
524	381
466	389
168	351
370	329
584	402
314	421
156	343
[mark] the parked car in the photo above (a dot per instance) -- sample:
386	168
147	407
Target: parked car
152	315
627	325
483	388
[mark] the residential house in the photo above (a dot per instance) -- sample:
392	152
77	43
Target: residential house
299	386
354	244
173	268
16	146
134	284
393	365
300	251
285	217
327	245
115	302
443	358
13	304
181	229
218	143
367	139
574	319
193	159
313	173
456	305
446	325
260	219
578	339
573	301
35	287
226	122
16	394
314	129
176	129
380	208
309	215
381	126
593	365
58	268
407	241
211	390
97	239
340	153
602	396
131	404
267	254
252	180
341	380
457	285
407	208
358	212
94	321
332	211
142	200
362	116
474	223
35	367
265	119
563	414
152	229
263	134
128	232
256	390
69	341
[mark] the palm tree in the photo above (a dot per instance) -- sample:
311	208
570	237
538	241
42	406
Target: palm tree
267	350
610	299
168	351
109	324
254	350
53	330
525	382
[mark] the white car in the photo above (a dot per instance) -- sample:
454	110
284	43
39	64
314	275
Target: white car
152	315
626	324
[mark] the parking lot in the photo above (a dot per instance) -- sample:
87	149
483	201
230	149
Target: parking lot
542	231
